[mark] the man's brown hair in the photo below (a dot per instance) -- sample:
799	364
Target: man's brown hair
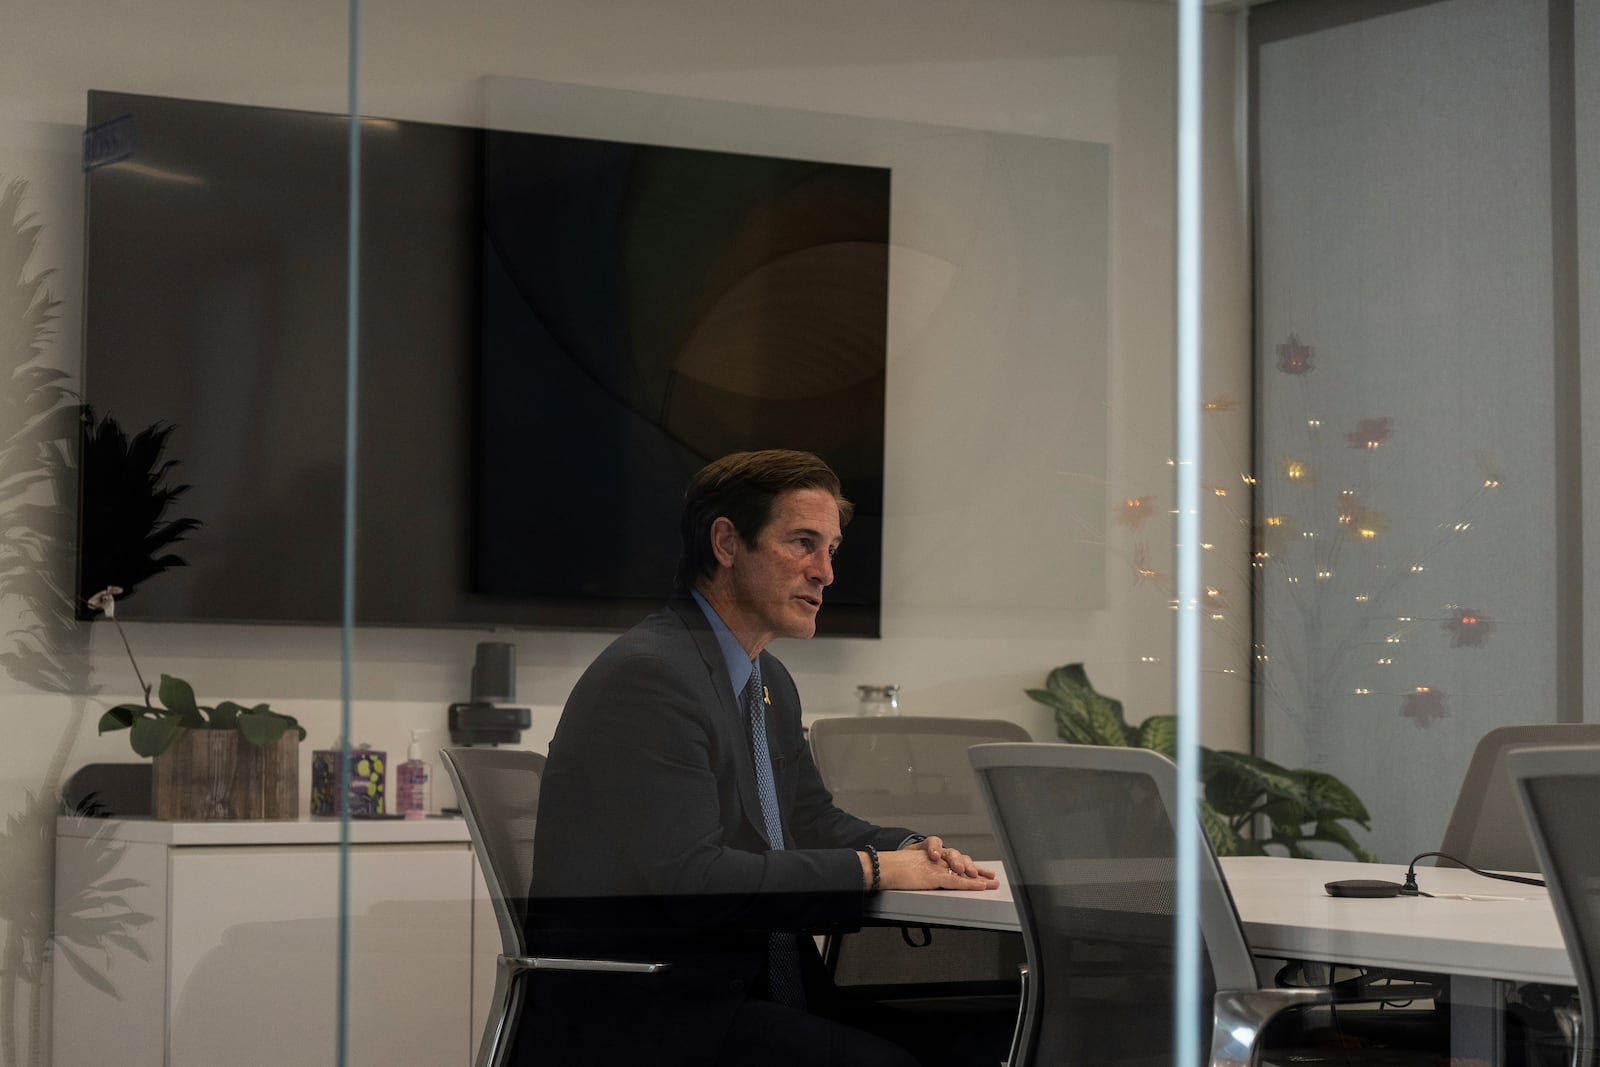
741	487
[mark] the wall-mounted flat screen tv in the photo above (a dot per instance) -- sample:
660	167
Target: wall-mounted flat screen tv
553	333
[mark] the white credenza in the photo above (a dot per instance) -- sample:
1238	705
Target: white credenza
219	943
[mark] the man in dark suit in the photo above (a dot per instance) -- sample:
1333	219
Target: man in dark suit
674	827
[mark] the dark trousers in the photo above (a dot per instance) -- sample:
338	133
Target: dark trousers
623	1020
838	1030
765	1034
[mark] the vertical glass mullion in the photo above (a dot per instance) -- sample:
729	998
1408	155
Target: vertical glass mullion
1186	671
347	595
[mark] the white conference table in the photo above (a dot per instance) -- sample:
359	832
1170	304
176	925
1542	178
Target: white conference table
1507	932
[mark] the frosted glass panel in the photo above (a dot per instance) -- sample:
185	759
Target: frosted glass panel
1406	386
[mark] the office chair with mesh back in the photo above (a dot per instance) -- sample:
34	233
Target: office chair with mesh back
1486	828
1559	791
913	771
1088	839
499	794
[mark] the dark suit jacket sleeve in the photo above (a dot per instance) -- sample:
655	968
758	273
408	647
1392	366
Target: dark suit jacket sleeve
641	801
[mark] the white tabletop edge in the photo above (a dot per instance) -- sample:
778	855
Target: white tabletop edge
1287	913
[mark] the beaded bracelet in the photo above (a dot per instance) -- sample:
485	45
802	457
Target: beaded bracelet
872	854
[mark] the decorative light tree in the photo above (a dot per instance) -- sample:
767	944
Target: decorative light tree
1330	578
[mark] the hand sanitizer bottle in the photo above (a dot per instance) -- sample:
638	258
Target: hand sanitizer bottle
414	774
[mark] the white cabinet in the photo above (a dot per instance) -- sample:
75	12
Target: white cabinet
208	943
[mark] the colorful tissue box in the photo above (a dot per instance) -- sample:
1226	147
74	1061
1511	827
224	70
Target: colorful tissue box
367	796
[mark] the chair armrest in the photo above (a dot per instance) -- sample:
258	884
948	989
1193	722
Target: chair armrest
1569	1020
517	964
1239	1016
1018	1039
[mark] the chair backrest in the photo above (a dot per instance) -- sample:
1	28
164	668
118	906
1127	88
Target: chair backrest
499	793
1559	790
1486	828
911	770
1088	838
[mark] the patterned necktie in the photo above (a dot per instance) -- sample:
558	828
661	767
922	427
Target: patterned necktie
783	958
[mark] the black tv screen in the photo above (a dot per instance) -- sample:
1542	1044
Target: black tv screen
553	333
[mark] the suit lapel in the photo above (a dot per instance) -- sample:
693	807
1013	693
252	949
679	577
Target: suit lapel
729	716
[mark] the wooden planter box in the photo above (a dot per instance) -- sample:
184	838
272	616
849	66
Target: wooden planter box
216	774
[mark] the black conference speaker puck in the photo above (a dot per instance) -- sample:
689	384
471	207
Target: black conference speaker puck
1362	887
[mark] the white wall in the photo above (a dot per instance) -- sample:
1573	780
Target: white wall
1092	70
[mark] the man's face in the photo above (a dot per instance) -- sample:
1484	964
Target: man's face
776	587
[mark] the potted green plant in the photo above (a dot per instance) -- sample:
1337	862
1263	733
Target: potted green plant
225	761
1298	806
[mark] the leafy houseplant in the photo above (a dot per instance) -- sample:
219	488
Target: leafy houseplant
154	730
222	762
1300	806
126	493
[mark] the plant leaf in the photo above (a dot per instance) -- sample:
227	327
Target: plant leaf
1287	816
1046	697
86	972
290	720
1330	798
1083	716
1228	791
1159	733
154	734
125	496
116	884
120	717
1236	775
1072	728
1236	785
1070	681
262	727
225	714
128	942
178	695
1225	840
1105	719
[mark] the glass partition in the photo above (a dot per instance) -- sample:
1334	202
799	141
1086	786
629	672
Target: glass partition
1422	178
165	895
972	317
1019	510
1016	513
